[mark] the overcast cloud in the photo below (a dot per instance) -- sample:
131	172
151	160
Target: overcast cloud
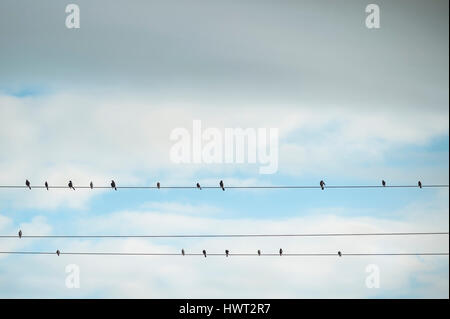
352	105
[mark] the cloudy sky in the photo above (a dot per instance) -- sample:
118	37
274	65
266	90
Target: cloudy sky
352	105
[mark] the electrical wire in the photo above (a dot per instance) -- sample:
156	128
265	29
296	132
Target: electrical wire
233	235
229	254
230	187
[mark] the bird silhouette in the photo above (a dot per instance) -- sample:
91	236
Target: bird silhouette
322	184
27	182
182	252
58	252
221	185
113	185
46	185
158	185
71	185
259	252
91	185
198	186
226	252
339	254
281	251
20	233
419	184
204	253
383	182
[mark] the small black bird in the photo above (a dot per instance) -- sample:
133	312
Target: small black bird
322	184
204	253
71	185
57	252
198	186
383	182
259	252
27	182
158	185
113	185
281	251
339	254
226	252
182	252
91	185
20	233
46	185
221	185
419	183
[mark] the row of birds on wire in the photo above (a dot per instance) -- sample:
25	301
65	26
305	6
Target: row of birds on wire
227	252
158	185
113	185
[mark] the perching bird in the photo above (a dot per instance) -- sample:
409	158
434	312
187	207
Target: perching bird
281	251
198	186
46	185
91	185
20	234
158	185
383	182
259	252
221	185
339	254
419	183
71	185
226	252
204	253
113	185
322	184
27	182
182	252
57	252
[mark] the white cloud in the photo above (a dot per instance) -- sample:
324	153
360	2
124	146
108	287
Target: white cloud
183	209
83	137
238	277
359	112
